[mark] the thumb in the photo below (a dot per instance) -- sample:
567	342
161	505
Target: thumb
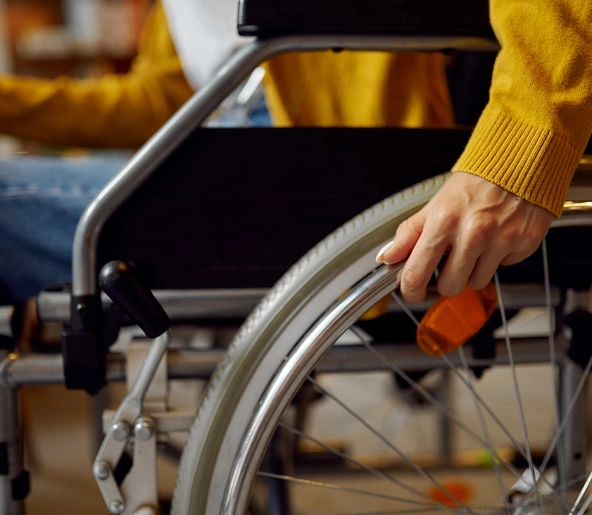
404	241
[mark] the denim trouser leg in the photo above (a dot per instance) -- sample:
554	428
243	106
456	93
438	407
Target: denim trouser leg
41	200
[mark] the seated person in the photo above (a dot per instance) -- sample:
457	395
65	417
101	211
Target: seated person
41	199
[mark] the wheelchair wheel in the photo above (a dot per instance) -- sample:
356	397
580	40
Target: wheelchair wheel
289	335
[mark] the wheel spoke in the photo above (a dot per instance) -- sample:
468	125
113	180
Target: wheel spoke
517	393
377	495
405	308
398	512
586	505
394	448
349	458
433	401
479	399
495	509
565	419
469	386
553	361
487	408
581	494
483	423
432	506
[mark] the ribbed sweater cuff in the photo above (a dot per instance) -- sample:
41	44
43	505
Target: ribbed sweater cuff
533	163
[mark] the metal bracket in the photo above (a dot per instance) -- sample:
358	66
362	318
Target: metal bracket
155	398
173	421
139	492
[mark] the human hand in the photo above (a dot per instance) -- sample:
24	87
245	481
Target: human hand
479	224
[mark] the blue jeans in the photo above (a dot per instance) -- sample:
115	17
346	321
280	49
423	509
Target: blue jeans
41	200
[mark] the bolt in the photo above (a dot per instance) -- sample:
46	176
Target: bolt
116	507
121	431
101	470
81	308
144	428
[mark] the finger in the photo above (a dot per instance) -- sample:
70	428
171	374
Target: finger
526	245
515	257
420	266
486	266
459	266
405	239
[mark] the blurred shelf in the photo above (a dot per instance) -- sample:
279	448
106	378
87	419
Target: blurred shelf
76	37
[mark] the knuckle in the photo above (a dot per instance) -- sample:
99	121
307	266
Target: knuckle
481	225
444	220
412	280
478	232
477	283
523	244
410	225
514	236
532	240
514	257
448	290
404	226
475	238
443	290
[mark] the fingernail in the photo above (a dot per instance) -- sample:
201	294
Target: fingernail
382	251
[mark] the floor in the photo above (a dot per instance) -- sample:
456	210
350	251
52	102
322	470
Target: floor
61	439
60	446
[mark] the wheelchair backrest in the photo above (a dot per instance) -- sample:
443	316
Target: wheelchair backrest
369	17
234	208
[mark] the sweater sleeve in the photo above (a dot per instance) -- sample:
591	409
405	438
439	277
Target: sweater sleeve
531	135
115	111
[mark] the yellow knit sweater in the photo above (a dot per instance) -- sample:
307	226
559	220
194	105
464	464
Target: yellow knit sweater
347	89
533	132
358	89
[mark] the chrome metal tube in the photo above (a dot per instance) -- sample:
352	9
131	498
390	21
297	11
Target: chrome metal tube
38	369
573	444
13	482
178	304
212	304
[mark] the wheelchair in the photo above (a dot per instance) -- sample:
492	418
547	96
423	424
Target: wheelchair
239	456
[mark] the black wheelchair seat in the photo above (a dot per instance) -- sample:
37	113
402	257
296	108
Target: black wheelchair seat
235	208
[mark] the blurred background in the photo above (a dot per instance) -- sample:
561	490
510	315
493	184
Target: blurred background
79	38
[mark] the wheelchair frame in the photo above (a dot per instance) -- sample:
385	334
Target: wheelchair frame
86	303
